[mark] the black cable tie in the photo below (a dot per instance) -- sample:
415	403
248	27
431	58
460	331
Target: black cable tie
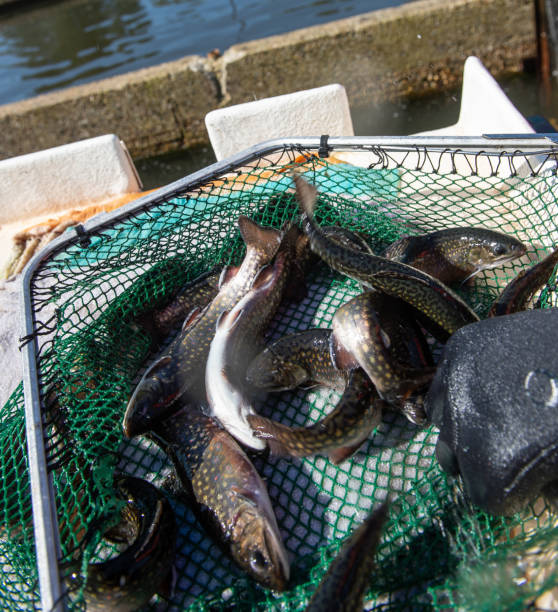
25	340
324	149
42	329
83	236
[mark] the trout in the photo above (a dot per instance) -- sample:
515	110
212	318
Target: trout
358	339
427	294
521	290
338	435
129	580
238	338
456	254
299	359
181	369
231	499
343	587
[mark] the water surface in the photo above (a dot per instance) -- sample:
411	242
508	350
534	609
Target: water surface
51	45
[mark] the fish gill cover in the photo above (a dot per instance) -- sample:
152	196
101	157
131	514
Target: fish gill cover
92	305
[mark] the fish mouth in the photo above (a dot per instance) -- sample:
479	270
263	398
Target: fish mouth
136	419
261	551
495	263
498	261
280	578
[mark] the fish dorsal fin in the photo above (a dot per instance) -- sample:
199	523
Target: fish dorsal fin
227	274
340	356
266	239
191	318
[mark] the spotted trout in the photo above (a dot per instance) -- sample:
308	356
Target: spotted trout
197	294
180	370
338	435
347	237
521	290
343	587
456	254
420	290
238	337
299	359
231	499
129	580
358	339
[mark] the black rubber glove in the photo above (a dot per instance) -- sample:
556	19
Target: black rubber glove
495	401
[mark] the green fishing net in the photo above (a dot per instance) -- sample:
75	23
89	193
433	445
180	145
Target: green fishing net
90	296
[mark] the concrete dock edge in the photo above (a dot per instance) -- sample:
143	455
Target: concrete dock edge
414	49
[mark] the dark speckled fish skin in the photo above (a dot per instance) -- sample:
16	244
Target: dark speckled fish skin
230	497
344	585
346	237
358	336
199	293
435	305
260	305
408	345
341	235
521	290
455	254
128	581
181	369
419	289
338	435
298	359
193	346
238	337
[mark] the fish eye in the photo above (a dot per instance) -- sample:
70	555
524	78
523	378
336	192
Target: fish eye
499	249
257	561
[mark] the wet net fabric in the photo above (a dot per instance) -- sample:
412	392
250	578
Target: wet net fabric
89	296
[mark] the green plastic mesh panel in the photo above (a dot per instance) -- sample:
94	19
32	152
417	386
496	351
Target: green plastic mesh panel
89	295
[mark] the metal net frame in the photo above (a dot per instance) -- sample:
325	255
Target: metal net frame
84	352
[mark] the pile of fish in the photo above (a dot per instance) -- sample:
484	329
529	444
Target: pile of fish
197	401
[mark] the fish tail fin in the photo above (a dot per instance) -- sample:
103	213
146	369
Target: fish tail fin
339	454
306	195
266	239
275	435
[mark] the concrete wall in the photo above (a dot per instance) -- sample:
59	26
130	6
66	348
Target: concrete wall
414	49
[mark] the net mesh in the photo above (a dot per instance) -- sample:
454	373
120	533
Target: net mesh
87	299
